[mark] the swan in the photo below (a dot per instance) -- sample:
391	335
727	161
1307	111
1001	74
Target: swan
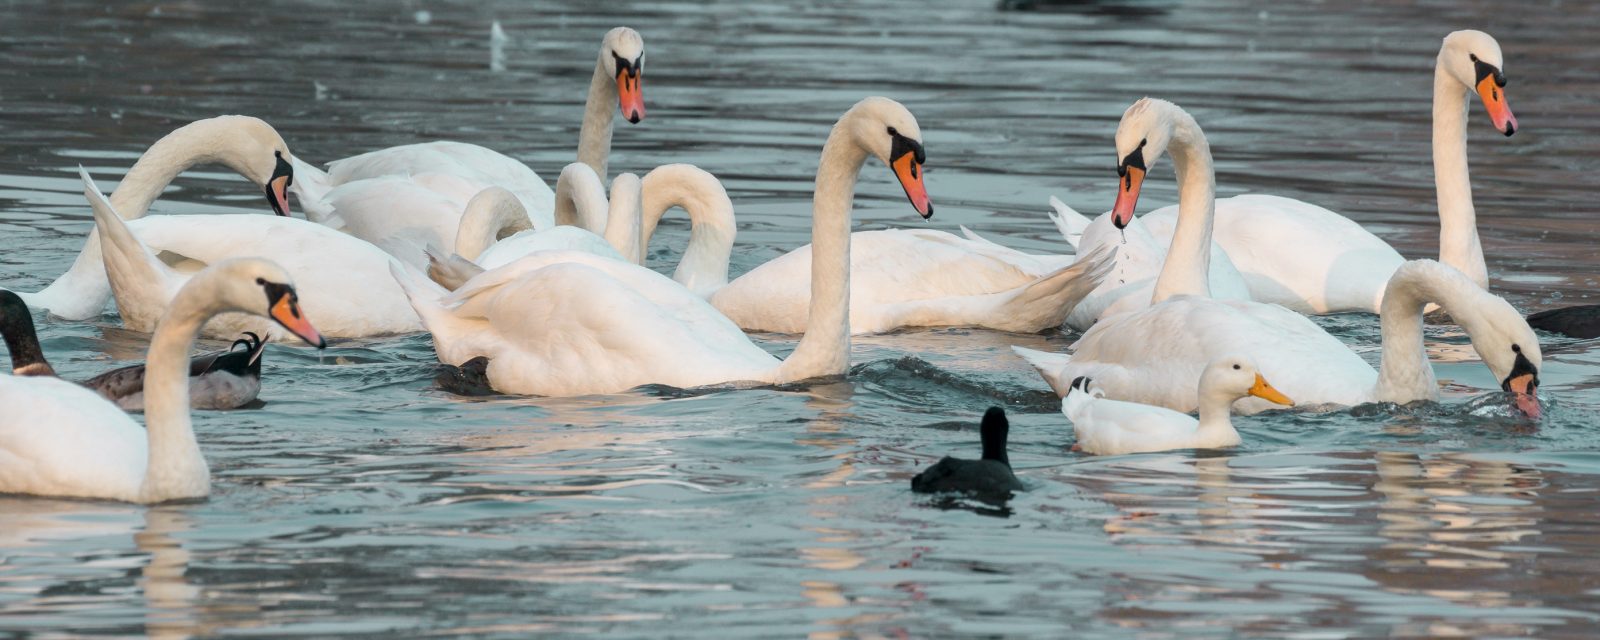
61	440
148	260
703	267
563	323
1112	427
990	475
1313	260
244	144
1154	355
222	380
618	74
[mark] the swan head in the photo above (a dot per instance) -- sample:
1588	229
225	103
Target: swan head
886	129
622	53
261	287
1142	136
1473	58
253	148
1235	377
1508	346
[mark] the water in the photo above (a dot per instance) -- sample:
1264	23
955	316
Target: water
361	499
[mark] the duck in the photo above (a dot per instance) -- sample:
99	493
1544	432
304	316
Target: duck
1153	355
1315	261
1112	427
149	259
247	145
221	380
331	197
990	475
567	323
61	440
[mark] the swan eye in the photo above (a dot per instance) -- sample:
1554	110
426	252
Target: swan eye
261	281
892	132
1516	348
1143	141
1235	367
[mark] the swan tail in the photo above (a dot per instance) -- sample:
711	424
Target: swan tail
1051	367
1046	302
450	272
451	335
133	270
1068	221
312	185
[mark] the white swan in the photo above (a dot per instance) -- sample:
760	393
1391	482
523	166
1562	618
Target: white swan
244	144
148	260
1153	356
617	80
1313	260
569	323
59	439
1113	427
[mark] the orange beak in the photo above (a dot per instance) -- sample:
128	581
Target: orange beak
909	172
1527	399
1266	392
630	94
1494	100
287	313
278	195
1127	196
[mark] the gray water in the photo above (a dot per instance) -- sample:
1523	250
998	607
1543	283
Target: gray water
362	499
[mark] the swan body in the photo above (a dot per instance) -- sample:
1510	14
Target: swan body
1137	259
1152	356
59	439
569	323
148	260
1114	427
244	144
990	475
918	278
1313	260
326	197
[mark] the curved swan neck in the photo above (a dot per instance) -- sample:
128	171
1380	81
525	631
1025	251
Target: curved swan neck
594	139
492	214
581	199
1458	221
712	229
1404	374
176	468
622	223
201	142
825	348
1188	259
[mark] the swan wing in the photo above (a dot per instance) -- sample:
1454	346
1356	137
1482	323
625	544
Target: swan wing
59	439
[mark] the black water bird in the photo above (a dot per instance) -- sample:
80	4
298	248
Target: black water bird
1574	322
989	476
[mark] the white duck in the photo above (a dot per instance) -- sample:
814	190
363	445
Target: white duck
617	80
244	144
1153	356
148	260
570	323
1113	427
61	440
1313	260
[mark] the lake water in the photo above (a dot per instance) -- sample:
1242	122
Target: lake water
361	499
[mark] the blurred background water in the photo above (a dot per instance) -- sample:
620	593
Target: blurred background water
361	499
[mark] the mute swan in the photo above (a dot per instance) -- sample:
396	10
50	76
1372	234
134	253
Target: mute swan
1313	260
344	275
221	380
1154	355
244	144
990	475
567	323
1112	427
618	74
61	440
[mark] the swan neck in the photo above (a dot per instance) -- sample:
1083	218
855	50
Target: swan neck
176	467
581	199
200	142
489	217
1459	246
704	266
622	224
594	139
1404	373
825	348
1188	261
